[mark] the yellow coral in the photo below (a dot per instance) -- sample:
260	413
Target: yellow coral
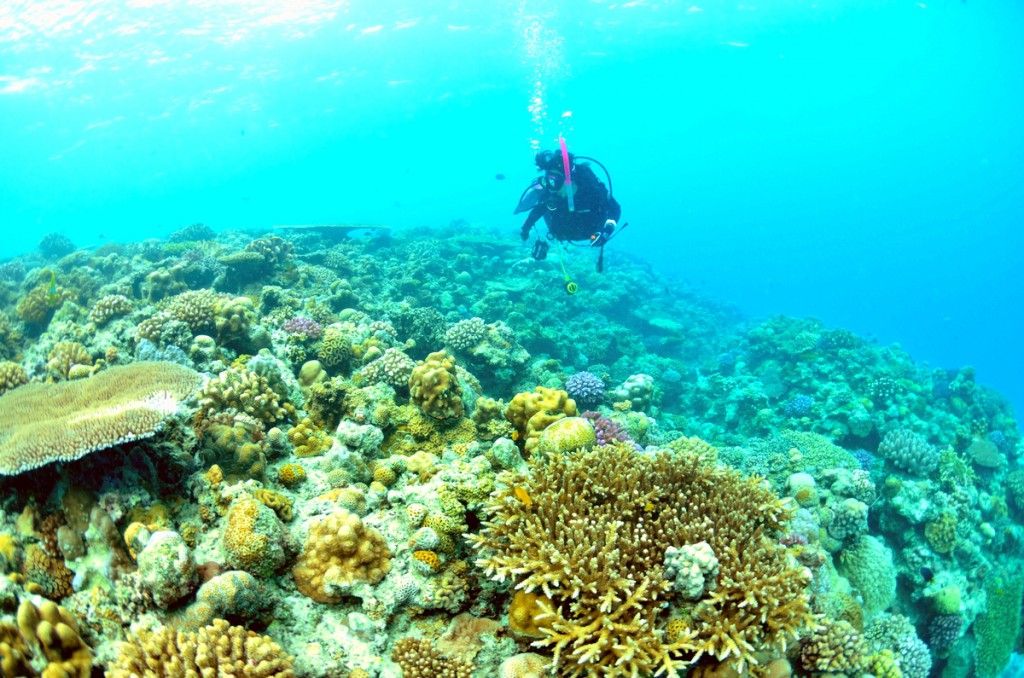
309	441
49	573
340	551
44	423
429	560
291	475
52	631
531	413
941	533
216	650
524	611
280	504
434	387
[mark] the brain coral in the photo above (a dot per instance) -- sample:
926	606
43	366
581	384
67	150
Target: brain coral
340	551
44	423
593	536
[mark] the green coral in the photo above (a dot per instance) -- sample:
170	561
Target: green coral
996	628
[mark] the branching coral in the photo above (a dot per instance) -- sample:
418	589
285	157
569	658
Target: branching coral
418	659
45	642
216	650
592	537
44	423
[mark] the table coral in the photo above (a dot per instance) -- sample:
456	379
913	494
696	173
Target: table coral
593	539
340	551
44	423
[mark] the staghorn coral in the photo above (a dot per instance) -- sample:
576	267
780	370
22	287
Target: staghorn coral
340	551
219	649
418	659
593	537
44	423
434	388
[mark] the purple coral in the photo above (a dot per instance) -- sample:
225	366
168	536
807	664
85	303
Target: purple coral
586	388
608	431
304	328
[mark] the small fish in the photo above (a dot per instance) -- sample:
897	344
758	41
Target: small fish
522	495
52	297
649	507
499	176
927	573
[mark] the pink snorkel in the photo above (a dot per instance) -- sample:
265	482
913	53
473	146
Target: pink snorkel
568	174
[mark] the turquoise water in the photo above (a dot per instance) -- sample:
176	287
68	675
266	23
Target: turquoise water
860	162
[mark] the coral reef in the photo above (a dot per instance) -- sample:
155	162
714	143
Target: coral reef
351	445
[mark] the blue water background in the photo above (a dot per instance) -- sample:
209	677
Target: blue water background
861	162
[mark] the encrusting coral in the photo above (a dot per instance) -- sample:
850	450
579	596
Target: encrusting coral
44	423
590	530
219	649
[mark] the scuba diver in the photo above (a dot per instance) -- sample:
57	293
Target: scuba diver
589	213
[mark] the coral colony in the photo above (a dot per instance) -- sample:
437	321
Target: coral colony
260	455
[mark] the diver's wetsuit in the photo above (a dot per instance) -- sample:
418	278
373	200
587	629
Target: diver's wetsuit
593	206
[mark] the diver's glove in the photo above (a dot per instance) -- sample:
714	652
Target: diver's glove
524	233
606	232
